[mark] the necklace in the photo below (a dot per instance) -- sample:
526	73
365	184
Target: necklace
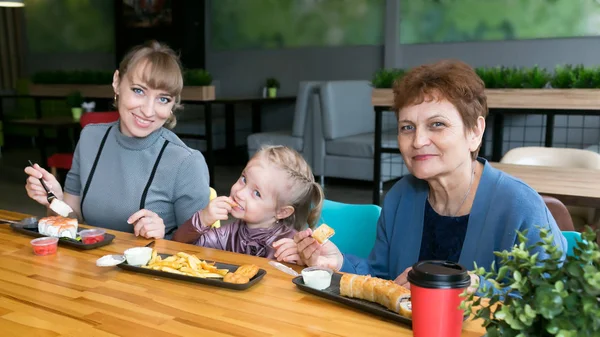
464	198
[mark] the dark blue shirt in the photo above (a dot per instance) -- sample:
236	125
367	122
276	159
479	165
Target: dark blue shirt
443	236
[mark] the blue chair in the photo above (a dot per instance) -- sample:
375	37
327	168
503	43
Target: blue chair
355	226
572	239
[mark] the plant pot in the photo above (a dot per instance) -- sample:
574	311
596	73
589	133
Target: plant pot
63	90
76	112
272	92
198	93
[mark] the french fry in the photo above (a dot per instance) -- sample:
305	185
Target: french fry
192	263
184	255
171	270
171	258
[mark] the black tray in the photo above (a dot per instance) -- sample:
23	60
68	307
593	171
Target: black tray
217	282
333	293
65	241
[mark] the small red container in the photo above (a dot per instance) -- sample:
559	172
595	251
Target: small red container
435	288
44	246
91	236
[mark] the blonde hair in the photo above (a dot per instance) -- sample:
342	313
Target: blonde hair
162	70
306	195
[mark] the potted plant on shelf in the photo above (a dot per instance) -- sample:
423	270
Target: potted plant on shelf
542	297
382	82
75	100
198	85
90	83
272	85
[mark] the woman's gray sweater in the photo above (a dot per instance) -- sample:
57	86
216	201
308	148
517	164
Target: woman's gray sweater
178	188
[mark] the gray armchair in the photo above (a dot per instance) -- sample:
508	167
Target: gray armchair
300	137
344	140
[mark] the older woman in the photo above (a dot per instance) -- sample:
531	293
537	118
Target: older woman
454	206
134	175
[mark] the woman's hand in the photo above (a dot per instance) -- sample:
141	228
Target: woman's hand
34	188
217	209
314	254
402	279
147	224
287	251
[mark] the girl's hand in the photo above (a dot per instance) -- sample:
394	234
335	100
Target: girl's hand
287	251
314	254
34	188
217	209
147	224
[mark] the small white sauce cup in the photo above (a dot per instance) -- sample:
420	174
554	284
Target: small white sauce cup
317	277
138	256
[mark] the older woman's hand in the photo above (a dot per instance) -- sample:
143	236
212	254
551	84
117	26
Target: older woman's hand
402	279
147	224
315	254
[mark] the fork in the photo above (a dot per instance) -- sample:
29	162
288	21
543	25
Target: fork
50	195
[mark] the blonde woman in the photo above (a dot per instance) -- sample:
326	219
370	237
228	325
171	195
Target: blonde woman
134	175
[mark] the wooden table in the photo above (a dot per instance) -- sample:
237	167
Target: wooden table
67	295
576	187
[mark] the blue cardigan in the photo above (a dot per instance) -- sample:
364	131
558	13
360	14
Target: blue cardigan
502	205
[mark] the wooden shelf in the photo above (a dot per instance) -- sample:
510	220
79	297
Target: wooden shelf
551	99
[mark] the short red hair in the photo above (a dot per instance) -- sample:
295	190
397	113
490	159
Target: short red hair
451	80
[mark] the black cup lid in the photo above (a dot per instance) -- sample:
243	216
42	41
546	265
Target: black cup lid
439	275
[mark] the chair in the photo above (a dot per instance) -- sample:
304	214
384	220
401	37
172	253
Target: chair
355	226
301	135
344	144
64	160
572	239
560	157
560	213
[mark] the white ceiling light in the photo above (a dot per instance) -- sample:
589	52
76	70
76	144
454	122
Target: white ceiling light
11	3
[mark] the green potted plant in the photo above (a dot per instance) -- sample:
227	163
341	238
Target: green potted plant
542	297
75	100
272	85
198	85
383	82
90	83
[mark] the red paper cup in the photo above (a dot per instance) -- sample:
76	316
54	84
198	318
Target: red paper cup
435	288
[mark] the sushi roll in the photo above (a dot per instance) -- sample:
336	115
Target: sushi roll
58	226
43	224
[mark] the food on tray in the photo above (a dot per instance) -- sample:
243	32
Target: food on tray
323	233
91	236
406	309
184	264
44	246
317	278
60	207
242	275
213	194
236	278
373	289
58	226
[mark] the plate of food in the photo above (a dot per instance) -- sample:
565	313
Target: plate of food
380	297
66	230
188	267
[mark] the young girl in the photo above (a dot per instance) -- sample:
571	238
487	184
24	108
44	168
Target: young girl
275	197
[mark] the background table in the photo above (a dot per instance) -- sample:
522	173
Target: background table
575	187
67	295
